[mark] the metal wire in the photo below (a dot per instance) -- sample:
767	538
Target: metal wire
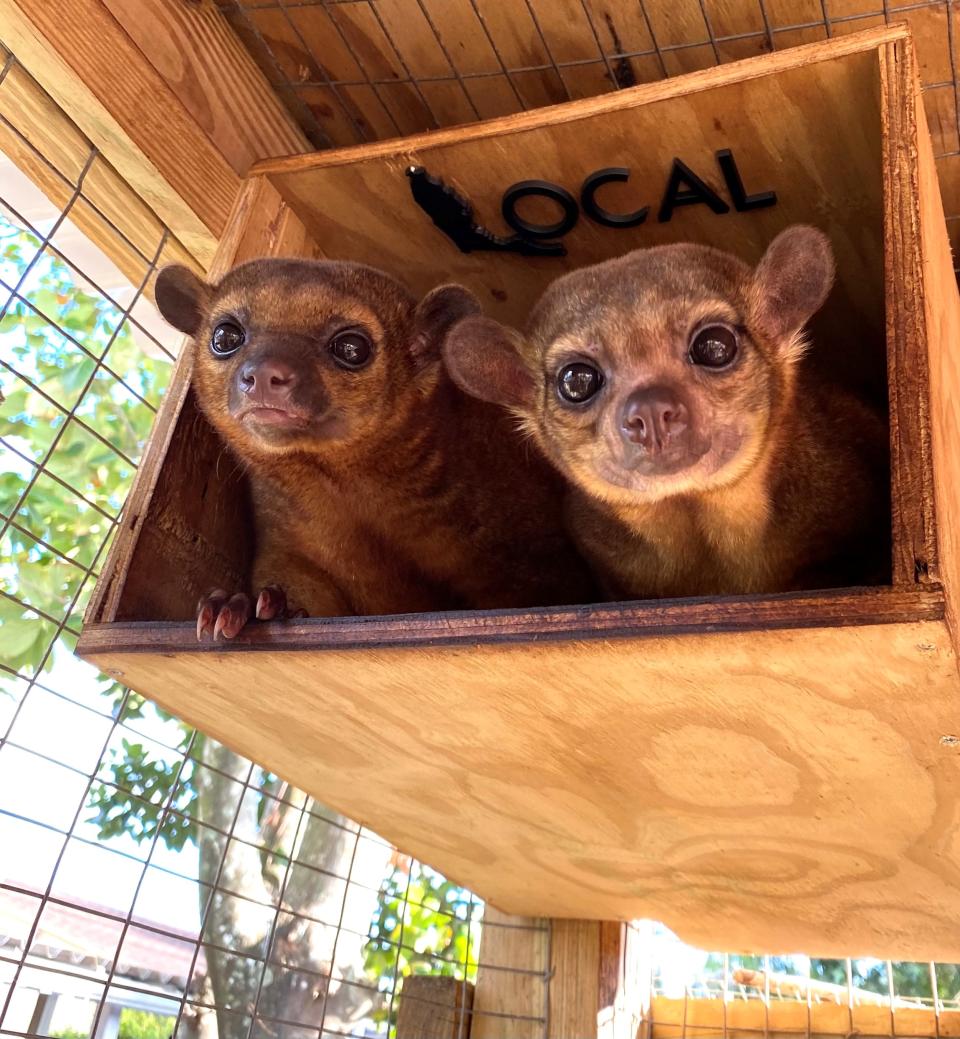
659	48
59	826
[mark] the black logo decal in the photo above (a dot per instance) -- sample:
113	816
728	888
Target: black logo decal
453	214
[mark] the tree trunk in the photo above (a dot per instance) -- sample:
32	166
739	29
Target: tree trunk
308	927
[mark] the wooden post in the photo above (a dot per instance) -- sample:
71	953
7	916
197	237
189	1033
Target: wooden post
599	980
625	985
434	1008
575	967
511	996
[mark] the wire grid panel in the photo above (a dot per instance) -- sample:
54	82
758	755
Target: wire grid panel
152	882
697	993
352	71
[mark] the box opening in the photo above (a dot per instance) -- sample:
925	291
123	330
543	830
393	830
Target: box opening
823	162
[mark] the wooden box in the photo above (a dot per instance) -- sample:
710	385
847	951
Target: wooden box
762	773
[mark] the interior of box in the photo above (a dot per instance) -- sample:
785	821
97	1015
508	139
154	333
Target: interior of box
812	133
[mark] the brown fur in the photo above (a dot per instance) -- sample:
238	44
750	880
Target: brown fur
778	481
401	493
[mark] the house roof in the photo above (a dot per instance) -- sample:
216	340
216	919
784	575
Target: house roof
91	937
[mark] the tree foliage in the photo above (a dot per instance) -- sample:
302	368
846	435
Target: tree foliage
56	395
142	1024
87	424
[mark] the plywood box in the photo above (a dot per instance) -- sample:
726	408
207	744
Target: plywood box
762	773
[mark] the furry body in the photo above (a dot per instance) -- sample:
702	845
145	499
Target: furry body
703	457
379	488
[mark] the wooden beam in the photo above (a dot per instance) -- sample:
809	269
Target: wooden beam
574	979
941	313
201	59
179	137
42	142
789	1018
511	991
434	1008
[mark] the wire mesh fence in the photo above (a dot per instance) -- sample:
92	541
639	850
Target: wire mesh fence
152	882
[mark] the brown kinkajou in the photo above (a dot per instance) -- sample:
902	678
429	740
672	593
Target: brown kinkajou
378	486
703	456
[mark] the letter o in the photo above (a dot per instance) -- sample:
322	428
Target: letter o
563	198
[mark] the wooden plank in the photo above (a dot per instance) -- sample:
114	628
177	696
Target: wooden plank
409	29
448	101
463	35
914	523
52	152
574	978
622	27
328	107
434	1008
513	32
173	125
493	96
942	120
319	32
74	50
183	504
757	791
204	64
626	979
44	127
678	1018
733	18
941	311
365	37
567	30
678	24
511	988
653	619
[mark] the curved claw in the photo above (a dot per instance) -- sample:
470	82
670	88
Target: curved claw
207	609
224	615
232	616
271	603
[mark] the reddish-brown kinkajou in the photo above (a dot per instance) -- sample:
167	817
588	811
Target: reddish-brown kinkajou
378	486
703	456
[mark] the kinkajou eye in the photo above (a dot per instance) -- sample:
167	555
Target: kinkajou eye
715	346
227	339
579	382
351	349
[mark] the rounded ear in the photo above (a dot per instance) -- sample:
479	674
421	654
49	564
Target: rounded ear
792	281
181	297
482	359
440	309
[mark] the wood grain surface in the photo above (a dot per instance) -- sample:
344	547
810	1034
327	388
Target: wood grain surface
761	774
768	111
757	791
512	978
